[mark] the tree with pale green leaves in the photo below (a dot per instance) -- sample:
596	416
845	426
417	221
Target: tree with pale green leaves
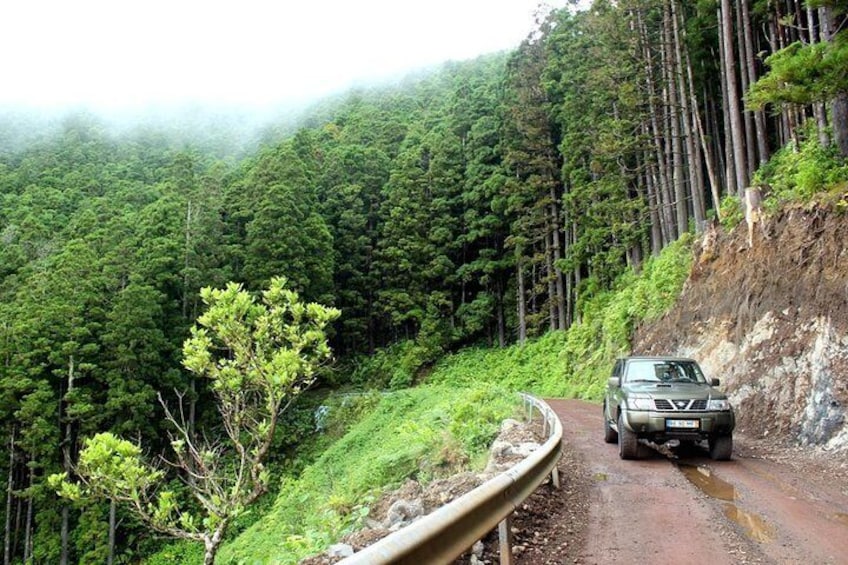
258	357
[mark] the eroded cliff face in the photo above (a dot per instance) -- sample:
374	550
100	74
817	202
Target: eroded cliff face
772	323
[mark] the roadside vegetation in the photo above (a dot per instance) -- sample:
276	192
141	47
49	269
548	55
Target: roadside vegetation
427	432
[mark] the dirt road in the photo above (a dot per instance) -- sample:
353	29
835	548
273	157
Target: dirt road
769	504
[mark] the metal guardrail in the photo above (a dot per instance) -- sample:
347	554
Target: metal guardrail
444	534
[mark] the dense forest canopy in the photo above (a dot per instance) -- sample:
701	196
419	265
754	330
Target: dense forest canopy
482	202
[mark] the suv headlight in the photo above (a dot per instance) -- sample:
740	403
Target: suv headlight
718	404
640	403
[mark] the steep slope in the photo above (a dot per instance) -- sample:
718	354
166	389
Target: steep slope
772	322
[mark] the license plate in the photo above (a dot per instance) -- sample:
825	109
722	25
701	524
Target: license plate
685	424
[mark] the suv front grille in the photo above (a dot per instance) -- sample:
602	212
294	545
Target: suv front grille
662	404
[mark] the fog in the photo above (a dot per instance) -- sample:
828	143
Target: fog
132	55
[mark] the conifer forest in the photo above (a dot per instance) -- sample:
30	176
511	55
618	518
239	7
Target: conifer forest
482	202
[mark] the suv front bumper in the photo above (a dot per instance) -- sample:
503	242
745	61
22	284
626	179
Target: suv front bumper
649	423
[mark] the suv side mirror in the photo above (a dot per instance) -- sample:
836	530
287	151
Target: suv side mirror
614	382
715	382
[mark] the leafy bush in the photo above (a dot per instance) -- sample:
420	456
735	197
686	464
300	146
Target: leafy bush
397	366
731	212
177	552
392	367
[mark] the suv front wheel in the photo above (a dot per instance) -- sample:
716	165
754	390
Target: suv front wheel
721	447
628	443
610	435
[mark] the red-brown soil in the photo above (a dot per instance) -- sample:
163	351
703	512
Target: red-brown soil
769	504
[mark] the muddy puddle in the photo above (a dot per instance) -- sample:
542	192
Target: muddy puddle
753	525
708	483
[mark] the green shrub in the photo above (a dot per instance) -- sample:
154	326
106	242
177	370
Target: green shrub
177	552
732	213
799	175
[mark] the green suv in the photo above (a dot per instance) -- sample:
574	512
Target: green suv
661	399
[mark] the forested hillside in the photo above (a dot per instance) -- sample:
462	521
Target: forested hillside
484	203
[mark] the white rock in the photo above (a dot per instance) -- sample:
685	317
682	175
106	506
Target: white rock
340	550
402	512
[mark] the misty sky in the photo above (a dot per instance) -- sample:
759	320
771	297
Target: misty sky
128	53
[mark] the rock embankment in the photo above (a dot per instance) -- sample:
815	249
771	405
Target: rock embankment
771	322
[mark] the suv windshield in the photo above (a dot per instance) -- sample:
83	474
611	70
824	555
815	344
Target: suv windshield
663	370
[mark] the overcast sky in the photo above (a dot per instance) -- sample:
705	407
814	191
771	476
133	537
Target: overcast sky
125	53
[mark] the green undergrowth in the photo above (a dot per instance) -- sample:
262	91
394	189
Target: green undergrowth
803	174
576	362
423	433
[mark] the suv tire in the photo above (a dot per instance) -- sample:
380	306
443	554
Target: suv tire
628	443
610	435
721	447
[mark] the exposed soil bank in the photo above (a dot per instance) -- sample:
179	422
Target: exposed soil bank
772	323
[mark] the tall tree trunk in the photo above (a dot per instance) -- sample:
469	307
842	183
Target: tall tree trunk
714	183
67	449
533	306
28	526
501	316
644	243
549	268
747	116
192	396
19	507
578	278
729	164
110	557
10	490
751	69
839	112
653	206
668	153
839	106
787	111
689	106
674	95
818	107
519	299
737	131
568	276
557	250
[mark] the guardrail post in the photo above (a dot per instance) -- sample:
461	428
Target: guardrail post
505	537
555	477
